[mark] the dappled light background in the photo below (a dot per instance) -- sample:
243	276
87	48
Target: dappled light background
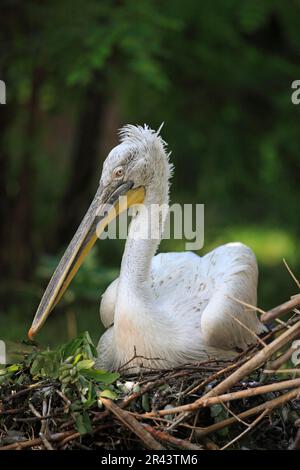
218	74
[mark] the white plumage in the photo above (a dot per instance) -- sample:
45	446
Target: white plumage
172	308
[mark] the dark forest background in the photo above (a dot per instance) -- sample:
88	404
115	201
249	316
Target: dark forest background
218	74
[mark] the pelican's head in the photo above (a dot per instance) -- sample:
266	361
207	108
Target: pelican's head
140	158
137	168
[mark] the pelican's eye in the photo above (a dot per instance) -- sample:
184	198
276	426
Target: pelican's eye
118	172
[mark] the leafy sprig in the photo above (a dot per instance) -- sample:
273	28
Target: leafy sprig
73	367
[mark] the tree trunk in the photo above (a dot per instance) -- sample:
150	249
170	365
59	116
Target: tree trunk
19	253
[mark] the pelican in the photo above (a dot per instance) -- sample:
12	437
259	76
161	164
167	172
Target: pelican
165	310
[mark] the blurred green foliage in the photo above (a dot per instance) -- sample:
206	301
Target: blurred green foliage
217	73
70	367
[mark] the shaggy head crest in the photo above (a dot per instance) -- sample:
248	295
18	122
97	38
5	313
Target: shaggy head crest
141	135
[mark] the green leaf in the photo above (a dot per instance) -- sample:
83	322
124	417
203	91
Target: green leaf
82	344
219	413
13	368
90	402
85	364
83	423
107	393
100	376
145	402
77	358
71	348
216	410
45	364
76	405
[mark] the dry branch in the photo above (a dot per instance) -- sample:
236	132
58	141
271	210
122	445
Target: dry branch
174	441
130	422
274	365
28	443
248	429
251	392
268	405
282	309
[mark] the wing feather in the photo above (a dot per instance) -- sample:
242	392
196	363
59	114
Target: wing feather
200	291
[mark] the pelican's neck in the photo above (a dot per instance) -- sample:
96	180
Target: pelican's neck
135	311
144	237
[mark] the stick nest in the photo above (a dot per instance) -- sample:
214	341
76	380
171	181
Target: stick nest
58	400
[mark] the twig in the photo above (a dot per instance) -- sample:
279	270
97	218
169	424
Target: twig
211	378
34	411
27	443
248	329
46	443
75	435
149	386
291	273
274	365
268	405
256	309
25	391
296	444
196	416
234	415
164	436
245	304
251	392
64	398
11	412
144	389
136	356
282	371
130	422
250	426
282	309
283	325
33	419
157	419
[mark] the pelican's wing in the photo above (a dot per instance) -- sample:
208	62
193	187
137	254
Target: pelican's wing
201	291
108	303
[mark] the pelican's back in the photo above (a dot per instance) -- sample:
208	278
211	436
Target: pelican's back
200	293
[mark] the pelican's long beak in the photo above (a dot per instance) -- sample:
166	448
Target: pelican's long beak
105	207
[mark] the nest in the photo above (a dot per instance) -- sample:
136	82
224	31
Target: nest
249	403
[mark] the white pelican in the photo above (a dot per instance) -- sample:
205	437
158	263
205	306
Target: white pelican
172	308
